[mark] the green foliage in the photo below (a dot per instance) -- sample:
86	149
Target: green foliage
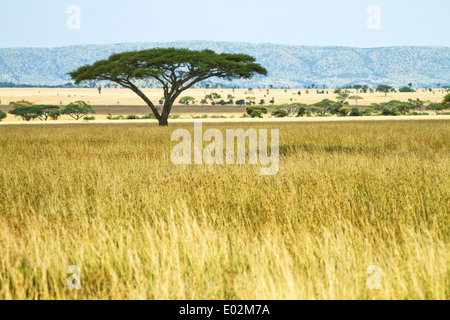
111	117
355	98
406	89
393	111
2	115
416	104
240	102
403	108
436	107
342	96
133	117
344	111
385	89
21	103
89	118
355	112
55	114
47	110
446	101
280	113
186	100
27	113
256	112
175	69
302	111
218	117
78	110
213	96
149	116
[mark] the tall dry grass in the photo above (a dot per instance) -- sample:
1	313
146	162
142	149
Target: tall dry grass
108	199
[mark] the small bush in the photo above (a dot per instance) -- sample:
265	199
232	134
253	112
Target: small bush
256	112
355	112
132	117
89	118
2	115
110	117
280	113
149	116
218	117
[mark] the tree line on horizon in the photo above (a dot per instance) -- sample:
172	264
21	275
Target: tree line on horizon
28	111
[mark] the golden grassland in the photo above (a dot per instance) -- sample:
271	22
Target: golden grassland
108	199
125	102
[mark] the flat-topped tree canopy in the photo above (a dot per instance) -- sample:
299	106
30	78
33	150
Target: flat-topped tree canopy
176	69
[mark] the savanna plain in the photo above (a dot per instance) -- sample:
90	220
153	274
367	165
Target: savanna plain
108	199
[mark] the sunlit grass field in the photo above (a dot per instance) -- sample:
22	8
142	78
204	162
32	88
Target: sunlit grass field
108	199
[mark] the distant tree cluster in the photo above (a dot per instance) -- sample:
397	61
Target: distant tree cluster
28	111
326	108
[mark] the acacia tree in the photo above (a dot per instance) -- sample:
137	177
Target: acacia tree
78	110
385	89
47	111
446	101
187	100
177	70
27	113
355	98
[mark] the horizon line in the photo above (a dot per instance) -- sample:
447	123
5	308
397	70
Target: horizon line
220	41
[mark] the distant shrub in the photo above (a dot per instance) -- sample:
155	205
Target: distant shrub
256	112
150	116
406	89
175	116
344	111
355	112
89	118
2	115
368	112
280	113
110	117
21	103
132	117
218	117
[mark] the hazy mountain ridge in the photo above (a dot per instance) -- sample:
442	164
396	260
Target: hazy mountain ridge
294	66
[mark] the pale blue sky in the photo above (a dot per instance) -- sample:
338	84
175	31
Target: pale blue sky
42	23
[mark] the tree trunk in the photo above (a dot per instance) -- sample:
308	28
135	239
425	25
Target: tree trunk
164	121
